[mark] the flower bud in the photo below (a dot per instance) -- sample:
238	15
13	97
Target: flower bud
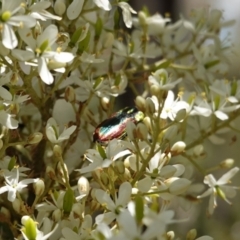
228	163
181	114
119	167
83	186
131	130
57	150
39	187
142	132
170	235
68	201
35	138
51	172
17	205
70	95
150	107
147	122
198	150
98	29
105	103
59	7
29	227
104	178
60	172
178	148
140	103
155	89
192	234
1	143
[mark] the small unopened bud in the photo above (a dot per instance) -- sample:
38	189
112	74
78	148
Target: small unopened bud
59	7
29	227
181	114
60	172
68	201
70	95
147	122
56	215
119	167
131	130
142	132
155	90
178	148
198	150
105	103
57	150
228	163
150	107
140	103
39	187
192	234
17	205
83	186
104	178
170	235
51	172
35	138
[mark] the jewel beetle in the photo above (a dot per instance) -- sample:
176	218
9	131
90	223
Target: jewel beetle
115	126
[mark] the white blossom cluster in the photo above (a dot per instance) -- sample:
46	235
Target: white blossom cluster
63	65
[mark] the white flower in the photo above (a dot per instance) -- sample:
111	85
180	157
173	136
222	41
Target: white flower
39	51
113	151
219	188
37	10
7	119
99	87
218	106
126	12
155	24
53	134
13	185
121	201
10	19
82	233
162	80
171	107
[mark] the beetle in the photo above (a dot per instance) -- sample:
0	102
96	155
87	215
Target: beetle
115	126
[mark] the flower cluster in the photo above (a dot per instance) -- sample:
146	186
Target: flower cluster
73	169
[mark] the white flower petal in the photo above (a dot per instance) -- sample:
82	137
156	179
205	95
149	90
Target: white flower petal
104	198
66	133
9	38
74	9
44	73
124	195
227	176
104	4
